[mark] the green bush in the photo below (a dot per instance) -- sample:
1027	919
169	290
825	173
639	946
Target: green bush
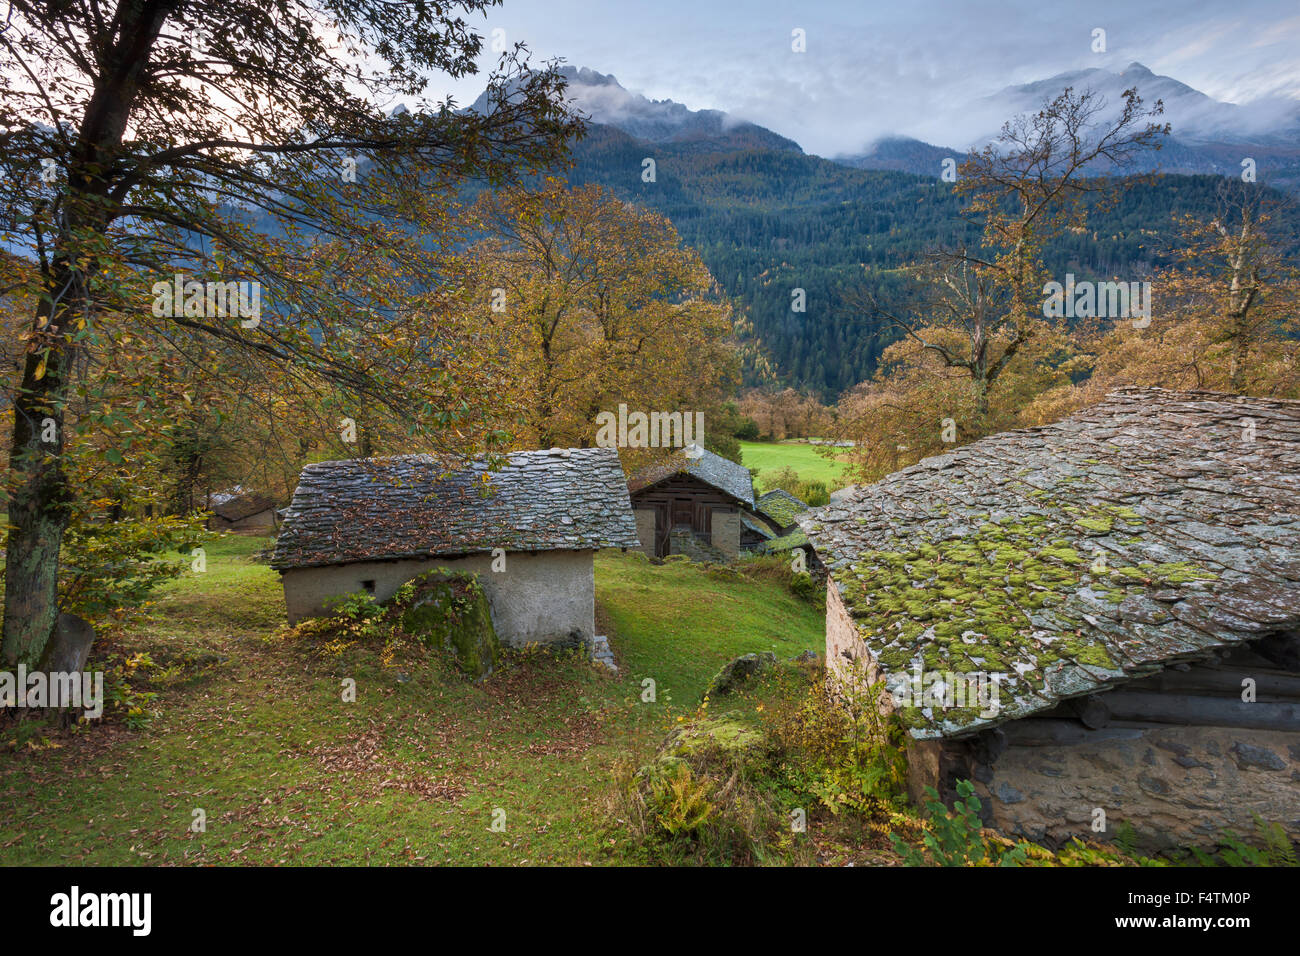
957	838
108	565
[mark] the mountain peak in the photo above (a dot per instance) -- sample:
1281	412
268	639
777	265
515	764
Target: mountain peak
604	100
581	76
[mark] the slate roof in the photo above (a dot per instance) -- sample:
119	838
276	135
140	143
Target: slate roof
781	506
1144	530
787	542
756	526
380	509
713	470
237	507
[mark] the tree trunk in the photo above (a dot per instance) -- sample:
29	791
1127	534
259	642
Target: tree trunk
38	494
1240	356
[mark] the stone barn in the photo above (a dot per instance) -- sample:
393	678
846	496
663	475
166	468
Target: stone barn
1096	621
692	504
530	531
240	511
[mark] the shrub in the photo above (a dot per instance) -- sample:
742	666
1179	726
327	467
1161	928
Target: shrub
842	754
108	565
957	838
438	609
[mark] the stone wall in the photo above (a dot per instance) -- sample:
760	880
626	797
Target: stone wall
645	529
1174	785
725	531
846	655
541	596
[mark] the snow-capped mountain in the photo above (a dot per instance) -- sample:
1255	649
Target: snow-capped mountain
601	98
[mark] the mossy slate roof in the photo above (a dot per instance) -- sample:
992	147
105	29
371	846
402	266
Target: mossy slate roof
781	506
714	470
237	507
1138	532
388	508
787	542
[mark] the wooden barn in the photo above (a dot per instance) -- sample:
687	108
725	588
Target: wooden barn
1097	622
692	504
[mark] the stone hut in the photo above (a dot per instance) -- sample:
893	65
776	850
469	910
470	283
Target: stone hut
530	531
1096	621
239	511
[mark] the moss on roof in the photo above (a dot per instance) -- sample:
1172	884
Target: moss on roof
781	506
787	542
1067	558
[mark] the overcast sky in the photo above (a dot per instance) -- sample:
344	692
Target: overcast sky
877	68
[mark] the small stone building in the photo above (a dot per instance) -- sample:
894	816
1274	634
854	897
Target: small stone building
530	531
239	511
1094	621
692	504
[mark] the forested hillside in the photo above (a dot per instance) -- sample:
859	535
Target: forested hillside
767	222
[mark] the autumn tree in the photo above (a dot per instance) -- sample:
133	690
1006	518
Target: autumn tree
1223	314
605	306
225	142
917	405
978	307
1234	277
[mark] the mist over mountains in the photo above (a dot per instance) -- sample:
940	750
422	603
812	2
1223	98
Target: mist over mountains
767	217
1207	137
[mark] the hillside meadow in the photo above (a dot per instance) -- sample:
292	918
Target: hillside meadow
252	731
809	461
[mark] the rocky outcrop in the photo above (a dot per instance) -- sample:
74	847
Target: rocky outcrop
450	612
737	672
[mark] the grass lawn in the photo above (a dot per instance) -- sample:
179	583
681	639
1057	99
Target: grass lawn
807	460
255	734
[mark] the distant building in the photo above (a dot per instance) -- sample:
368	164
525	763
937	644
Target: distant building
692	504
373	524
701	505
1097	621
239	511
